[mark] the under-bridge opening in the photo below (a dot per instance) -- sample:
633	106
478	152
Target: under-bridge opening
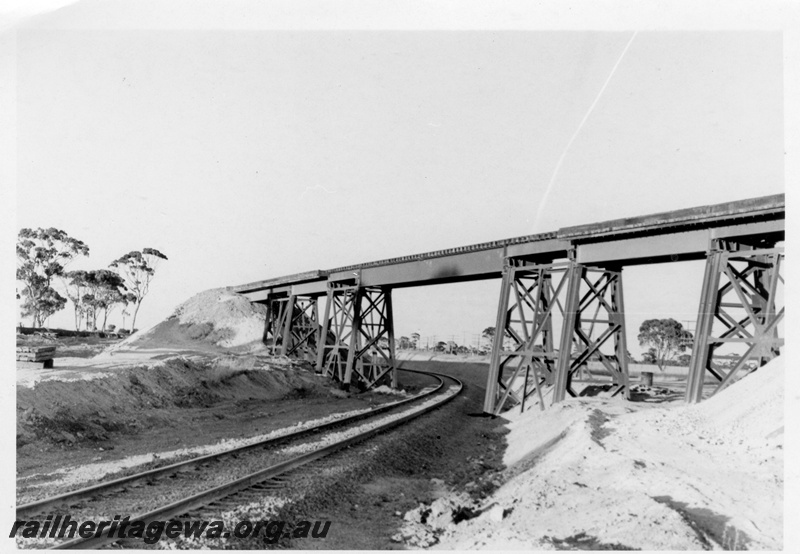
664	293
561	302
446	318
673	290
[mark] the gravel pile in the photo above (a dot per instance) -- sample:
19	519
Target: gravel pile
217	318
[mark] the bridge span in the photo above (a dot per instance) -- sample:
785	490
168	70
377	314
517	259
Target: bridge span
561	302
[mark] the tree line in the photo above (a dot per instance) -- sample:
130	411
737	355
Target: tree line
663	338
42	258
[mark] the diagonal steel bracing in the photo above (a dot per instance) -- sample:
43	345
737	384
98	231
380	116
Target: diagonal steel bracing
304	329
275	323
593	329
527	366
738	322
359	323
523	352
292	326
338	324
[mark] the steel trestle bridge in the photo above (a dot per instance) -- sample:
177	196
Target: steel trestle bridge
561	302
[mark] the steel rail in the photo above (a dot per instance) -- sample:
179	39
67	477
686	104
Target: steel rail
40	506
204	498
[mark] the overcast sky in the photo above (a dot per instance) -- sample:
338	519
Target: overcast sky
249	153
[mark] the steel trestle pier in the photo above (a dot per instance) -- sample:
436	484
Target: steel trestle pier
738	307
359	321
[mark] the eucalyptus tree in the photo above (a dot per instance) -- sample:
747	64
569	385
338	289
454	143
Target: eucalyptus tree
75	284
105	290
137	268
42	254
665	338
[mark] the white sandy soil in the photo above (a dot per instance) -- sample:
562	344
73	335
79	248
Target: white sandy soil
677	477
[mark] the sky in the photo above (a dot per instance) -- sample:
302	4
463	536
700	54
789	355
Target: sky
245	153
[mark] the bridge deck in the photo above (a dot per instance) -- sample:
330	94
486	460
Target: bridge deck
667	236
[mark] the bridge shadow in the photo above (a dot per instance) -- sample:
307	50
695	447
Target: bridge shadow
659	397
639	393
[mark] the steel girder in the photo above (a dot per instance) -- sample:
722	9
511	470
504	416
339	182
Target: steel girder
359	323
588	304
292	326
738	320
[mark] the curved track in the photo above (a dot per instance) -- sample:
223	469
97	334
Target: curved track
253	480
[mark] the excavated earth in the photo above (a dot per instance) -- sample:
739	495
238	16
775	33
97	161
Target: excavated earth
195	379
182	403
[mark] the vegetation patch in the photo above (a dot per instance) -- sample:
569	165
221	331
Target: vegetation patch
582	541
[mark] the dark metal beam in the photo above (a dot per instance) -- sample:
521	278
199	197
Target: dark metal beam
277	281
703	216
663	237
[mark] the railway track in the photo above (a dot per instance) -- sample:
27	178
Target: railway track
193	486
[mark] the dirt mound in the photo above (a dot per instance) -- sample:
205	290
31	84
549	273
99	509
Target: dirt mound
216	318
751	409
139	398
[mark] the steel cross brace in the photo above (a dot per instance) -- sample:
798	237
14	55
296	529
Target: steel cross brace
359	323
292	325
529	299
738	319
532	297
595	291
337	324
276	320
303	330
